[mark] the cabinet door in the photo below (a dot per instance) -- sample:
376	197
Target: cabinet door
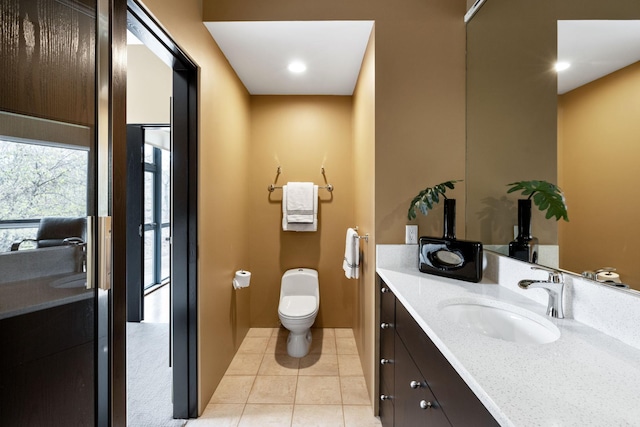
414	403
387	320
458	401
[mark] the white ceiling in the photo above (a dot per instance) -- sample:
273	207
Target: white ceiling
260	52
594	49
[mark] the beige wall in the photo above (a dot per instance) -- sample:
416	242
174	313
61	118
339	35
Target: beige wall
364	122
223	314
598	130
149	85
420	93
301	134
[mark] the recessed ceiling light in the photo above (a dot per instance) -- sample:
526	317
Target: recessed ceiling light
562	65
297	67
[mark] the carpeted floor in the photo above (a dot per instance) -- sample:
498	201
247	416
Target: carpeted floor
149	376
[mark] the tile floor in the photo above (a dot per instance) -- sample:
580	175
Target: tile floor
264	387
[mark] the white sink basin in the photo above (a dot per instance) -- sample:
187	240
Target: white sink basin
500	320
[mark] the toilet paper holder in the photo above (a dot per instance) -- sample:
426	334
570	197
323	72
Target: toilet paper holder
242	279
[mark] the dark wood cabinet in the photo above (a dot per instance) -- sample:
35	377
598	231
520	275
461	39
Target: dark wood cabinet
47	370
414	401
387	345
425	390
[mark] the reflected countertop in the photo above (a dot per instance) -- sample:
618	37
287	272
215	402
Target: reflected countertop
27	296
585	378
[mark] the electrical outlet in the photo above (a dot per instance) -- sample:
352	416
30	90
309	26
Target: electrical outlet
411	235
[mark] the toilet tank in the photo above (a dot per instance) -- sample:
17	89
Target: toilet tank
299	281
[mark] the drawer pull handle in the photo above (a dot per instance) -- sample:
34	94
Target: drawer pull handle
385	361
384	290
425	405
385	325
384	397
415	384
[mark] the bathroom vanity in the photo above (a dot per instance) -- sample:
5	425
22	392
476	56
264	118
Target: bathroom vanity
439	368
418	387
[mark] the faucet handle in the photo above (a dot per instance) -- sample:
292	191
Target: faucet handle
555	276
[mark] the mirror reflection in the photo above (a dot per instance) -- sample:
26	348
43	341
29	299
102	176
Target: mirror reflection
524	122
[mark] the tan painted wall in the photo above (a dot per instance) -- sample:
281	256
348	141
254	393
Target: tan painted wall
364	122
420	93
223	314
301	134
598	128
149	85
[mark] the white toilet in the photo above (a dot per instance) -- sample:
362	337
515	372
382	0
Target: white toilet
299	303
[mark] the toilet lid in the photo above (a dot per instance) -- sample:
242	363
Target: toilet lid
297	305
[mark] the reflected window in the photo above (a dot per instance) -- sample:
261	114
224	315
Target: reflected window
37	180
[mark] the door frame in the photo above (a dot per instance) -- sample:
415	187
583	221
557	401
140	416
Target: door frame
184	220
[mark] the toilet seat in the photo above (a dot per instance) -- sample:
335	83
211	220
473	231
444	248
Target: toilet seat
297	306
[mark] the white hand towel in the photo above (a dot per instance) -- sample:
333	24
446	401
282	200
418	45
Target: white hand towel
300	202
351	263
287	226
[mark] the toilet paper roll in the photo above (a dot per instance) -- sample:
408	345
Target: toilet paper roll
608	276
242	279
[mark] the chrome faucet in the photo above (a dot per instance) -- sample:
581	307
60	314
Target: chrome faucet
554	287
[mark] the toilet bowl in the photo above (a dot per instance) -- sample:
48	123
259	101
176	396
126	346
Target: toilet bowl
298	307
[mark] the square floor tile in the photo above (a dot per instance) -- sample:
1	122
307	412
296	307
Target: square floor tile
255	415
317	416
279	364
354	391
260	332
245	364
278	342
343	332
233	389
219	415
254	345
349	365
319	364
346	346
314	390
360	416
322	342
273	389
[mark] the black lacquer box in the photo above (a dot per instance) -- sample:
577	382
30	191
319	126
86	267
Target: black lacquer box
449	257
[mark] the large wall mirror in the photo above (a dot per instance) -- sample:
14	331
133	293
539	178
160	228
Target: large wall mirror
586	138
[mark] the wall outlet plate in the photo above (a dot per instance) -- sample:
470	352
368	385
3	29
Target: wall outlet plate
411	235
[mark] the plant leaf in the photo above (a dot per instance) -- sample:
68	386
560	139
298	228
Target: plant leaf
545	195
428	198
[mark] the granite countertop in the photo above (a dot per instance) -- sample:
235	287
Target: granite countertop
27	296
585	378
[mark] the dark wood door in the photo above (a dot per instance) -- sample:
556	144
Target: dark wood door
414	404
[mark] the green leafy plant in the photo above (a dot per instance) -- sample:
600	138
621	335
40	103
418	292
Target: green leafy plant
546	196
427	198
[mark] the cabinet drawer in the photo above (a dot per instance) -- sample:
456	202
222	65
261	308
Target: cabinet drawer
387	304
387	334
386	409
414	403
457	400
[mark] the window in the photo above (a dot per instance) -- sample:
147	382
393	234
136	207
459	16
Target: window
37	180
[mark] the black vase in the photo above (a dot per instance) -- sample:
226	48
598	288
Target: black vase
525	246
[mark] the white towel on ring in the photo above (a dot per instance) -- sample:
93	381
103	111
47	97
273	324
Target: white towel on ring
351	263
